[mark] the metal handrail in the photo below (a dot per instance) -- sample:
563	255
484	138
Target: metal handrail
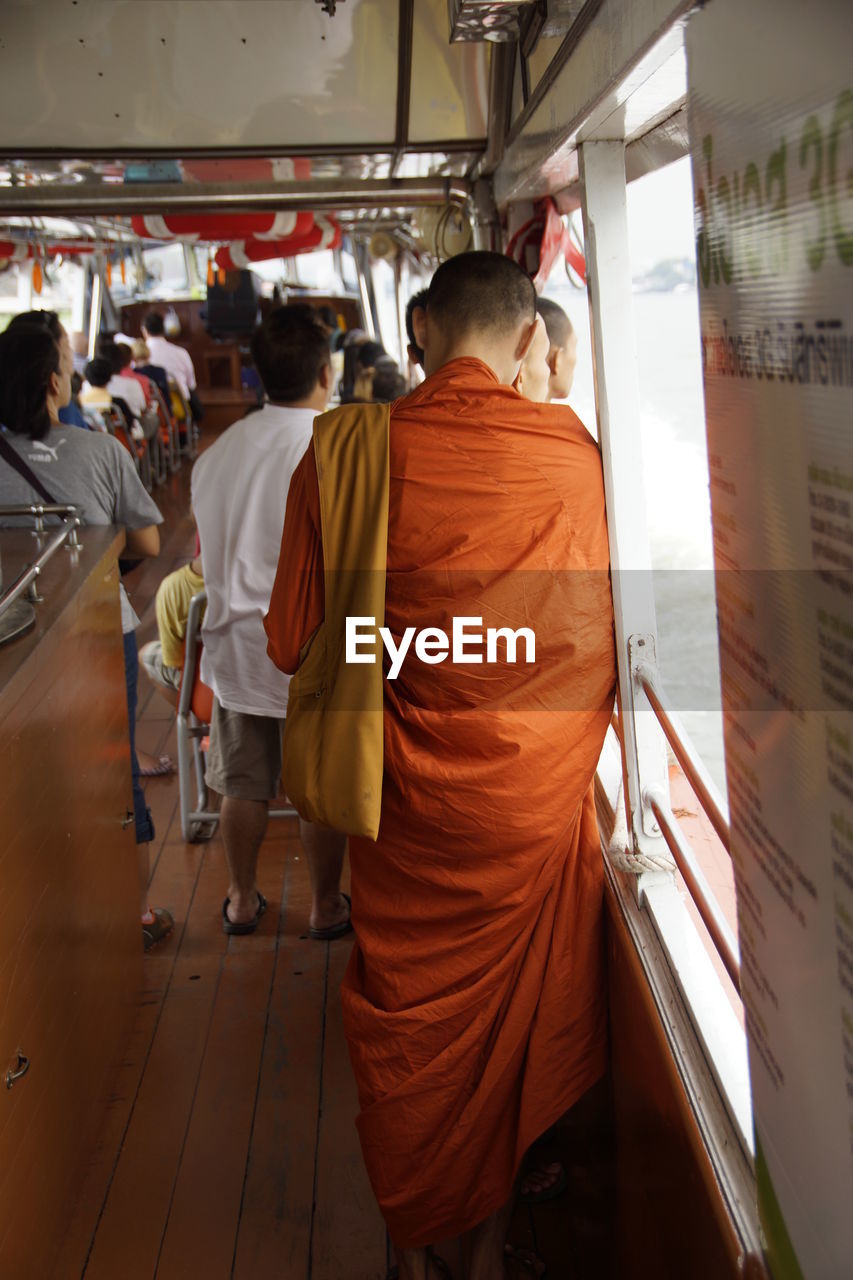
27	577
698	887
40	510
686	754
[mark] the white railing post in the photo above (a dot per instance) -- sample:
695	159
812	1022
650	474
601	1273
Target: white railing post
602	169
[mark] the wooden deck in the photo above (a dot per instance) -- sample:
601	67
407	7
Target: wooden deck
229	1146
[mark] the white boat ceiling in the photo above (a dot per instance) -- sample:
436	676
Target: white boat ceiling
364	107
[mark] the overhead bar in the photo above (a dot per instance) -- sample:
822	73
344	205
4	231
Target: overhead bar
320	193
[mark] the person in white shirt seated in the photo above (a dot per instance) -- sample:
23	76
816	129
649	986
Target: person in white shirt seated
239	492
100	393
168	355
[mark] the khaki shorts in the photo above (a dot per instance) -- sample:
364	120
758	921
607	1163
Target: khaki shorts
151	657
244	760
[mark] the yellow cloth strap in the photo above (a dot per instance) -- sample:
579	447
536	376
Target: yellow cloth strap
333	747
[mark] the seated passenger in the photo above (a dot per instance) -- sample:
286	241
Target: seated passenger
122	386
386	382
95	396
474	1003
93	473
168	355
79	351
239	486
366	357
142	364
163	659
328	318
352	340
563	352
71	414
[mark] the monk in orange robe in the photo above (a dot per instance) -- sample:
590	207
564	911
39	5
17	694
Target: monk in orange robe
474	1002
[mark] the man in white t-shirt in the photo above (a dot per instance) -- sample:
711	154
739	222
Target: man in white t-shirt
168	355
239	491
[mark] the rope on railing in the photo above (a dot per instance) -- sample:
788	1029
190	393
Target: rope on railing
620	853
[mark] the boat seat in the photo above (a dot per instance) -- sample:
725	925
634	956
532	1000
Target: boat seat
195	708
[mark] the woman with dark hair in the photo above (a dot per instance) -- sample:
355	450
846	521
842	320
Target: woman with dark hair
35	381
70	413
48	320
84	469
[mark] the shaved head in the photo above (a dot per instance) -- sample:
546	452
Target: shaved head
535	372
557	323
480	292
563	354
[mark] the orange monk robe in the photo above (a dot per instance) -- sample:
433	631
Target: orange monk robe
474	1002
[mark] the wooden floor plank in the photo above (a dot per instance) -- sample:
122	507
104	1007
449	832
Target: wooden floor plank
173	886
204	1215
129	1236
274	1234
202	1225
349	1233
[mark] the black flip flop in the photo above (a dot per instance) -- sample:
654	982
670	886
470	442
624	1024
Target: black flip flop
247	926
338	930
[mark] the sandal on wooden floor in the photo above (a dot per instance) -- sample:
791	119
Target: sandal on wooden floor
523	1264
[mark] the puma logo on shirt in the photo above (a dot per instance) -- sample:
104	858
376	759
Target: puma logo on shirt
43	448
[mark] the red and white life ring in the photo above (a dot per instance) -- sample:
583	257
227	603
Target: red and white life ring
325	233
217	227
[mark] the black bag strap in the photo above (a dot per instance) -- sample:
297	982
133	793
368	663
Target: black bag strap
15	461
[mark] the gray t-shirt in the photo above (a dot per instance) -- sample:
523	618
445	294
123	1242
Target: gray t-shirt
88	470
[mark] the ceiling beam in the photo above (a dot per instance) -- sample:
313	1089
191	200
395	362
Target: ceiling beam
317	194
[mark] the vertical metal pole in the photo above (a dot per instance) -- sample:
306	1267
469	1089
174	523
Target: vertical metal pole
602	167
362	267
402	336
78	301
25	285
95	310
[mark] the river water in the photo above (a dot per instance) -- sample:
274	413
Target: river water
675	479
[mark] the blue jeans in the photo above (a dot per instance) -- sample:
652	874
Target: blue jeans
142	815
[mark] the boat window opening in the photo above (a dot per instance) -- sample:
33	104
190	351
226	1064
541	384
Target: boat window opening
676	483
385	292
349	275
165	271
676	478
62	291
693	960
317	270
